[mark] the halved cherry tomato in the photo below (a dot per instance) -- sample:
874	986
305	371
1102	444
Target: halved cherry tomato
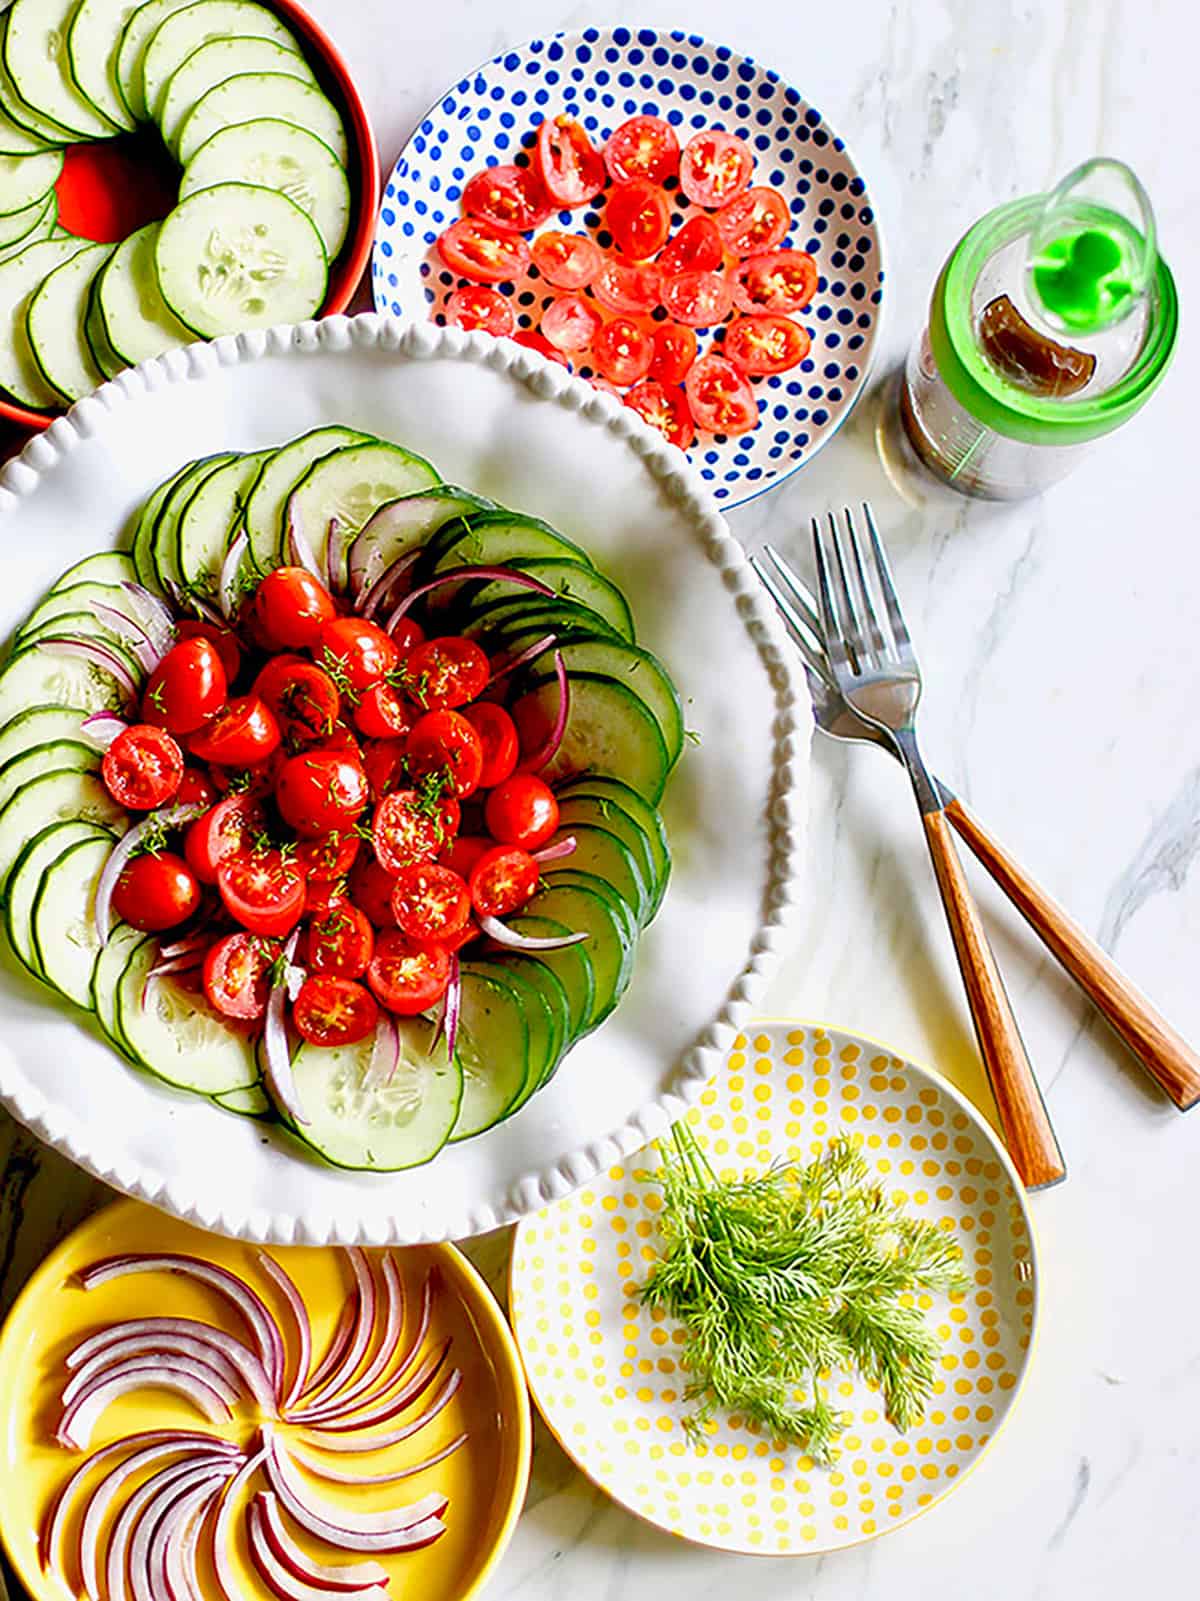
327	857
501	880
334	1011
262	890
258	780
342	739
142	767
443	742
340	941
699	299
292	608
407	829
508	197
566	260
188	686
571	168
371	890
477	306
532	340
383	763
196	789
754	221
465	851
570	323
231	825
486	255
642	147
664	409
674	352
241	735
714	167
303	697
321	792
156	892
778	280
408	978
522	811
383	713
237	975
638	215
356	653
720	398
218	634
448	671
624	288
498	739
696	247
430	903
623	351
766	343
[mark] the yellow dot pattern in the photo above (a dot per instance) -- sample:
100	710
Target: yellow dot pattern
606	1373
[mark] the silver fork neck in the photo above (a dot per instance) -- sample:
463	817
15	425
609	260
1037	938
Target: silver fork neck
929	798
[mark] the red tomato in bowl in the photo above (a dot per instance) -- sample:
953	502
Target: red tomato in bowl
292	607
243	734
664	409
218	634
303	698
754	222
188	686
765	343
444	742
356	653
698	299
675	349
371	891
522	811
498	741
532	340
487	255
237	975
720	398
623	351
143	767
326	857
430	902
571	168
262	890
340	941
329	1012
383	712
321	792
566	260
638	216
407	829
502	880
383	763
508	197
478	306
448	671
625	288
697	247
408	978
156	892
570	323
714	167
642	147
231	825
777	280
196	788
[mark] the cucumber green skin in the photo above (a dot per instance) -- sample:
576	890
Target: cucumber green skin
442	505
497	539
48	935
46	787
38	725
545	1021
81	625
601	851
629	665
646	766
61	602
141	546
329	467
571	582
564	977
102	567
583	811
266	504
129	1000
512	995
536	615
42	851
580	901
594	787
236	476
164	543
106	978
56	756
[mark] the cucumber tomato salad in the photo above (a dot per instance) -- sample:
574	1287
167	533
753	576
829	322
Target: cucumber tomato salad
334	797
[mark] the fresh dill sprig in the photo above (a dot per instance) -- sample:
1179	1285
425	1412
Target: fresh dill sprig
784	1276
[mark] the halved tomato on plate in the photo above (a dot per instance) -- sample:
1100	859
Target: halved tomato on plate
714	167
638	215
754	222
778	280
642	147
479	306
720	397
664	409
566	260
488	255
571	168
766	343
508	197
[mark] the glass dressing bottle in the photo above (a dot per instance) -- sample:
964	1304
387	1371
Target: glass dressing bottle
1051	324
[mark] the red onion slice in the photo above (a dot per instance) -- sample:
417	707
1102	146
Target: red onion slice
299	547
222	1532
503	935
357	1576
341	1374
385	1053
336	541
556	852
131	633
101	728
279	1579
186	600
453	1006
283	1282
387	1386
189	1379
530	653
389	1338
277	1051
151	1333
170	817
357	1444
231	567
173	1561
386	582
341	1476
89	650
267	1337
213	1369
162	1511
545	752
458	575
381	1410
185	947
337	1345
154	613
396	1529
116	1567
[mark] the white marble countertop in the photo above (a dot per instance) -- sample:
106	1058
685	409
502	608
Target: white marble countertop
1062	658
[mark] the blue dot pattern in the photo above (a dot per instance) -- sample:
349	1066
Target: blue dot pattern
601	77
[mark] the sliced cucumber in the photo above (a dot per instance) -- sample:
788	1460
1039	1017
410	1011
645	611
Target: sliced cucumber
96	334
609	946
25	881
492	1049
277	155
594	787
576	878
24	232
93	39
500	539
137	320
61	602
65	941
250	1102
172	1033
609	730
570	964
175	39
598	812
407	524
56	318
164	540
570	580
234	257
101	567
53	798
397	1125
38	725
56	756
18	141
262	94
350	485
20	278
25	181
279	476
210	519
40	676
80	625
545	1025
141	549
637	669
19	111
106	980
136	35
607	853
212	64
35	53
532	616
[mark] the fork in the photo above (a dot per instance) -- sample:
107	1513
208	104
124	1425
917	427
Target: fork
875	668
1163	1052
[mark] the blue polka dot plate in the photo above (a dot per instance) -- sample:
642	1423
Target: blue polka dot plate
603	76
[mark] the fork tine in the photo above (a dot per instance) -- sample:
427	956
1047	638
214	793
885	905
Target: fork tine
852	628
800	631
798	593
890	598
876	640
831	627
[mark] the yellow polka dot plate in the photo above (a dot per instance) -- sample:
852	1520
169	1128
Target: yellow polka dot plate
605	1372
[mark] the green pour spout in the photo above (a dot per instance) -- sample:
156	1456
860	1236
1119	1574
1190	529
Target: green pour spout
1093	249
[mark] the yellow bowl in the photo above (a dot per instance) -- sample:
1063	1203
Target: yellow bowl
485	1480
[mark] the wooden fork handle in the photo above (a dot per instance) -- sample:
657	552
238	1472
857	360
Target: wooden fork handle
1165	1055
1023	1117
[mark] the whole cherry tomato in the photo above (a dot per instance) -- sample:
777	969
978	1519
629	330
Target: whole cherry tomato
188	686
242	734
522	811
356	654
321	792
154	892
292	608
